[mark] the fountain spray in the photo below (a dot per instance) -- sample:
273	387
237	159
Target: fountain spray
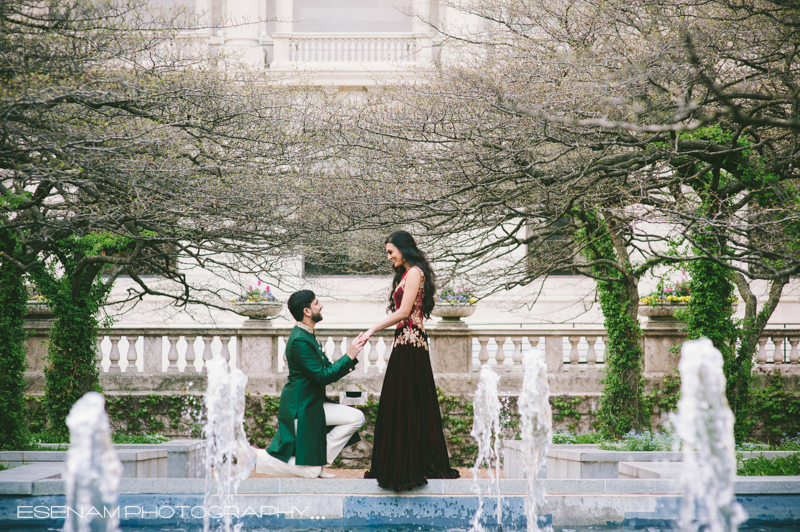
705	424
93	469
229	457
486	424
536	430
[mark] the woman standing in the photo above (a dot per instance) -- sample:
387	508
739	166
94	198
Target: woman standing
409	445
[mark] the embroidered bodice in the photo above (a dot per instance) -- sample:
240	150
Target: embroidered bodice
413	329
415	318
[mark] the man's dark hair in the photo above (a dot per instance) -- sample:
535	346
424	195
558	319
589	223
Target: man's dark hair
298	301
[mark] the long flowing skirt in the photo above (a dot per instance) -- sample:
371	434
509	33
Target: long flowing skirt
409	445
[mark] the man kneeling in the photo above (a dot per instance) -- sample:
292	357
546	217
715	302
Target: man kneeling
312	430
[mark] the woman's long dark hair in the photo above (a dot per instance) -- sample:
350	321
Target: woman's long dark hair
405	243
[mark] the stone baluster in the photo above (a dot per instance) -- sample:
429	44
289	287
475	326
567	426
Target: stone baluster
337	349
373	355
535	342
131	356
574	355
207	353
387	351
500	355
777	353
516	357
483	355
190	355
172	354
113	355
225	351
605	347
794	356
762	351
591	354
99	355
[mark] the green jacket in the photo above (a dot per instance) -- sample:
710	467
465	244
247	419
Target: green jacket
302	398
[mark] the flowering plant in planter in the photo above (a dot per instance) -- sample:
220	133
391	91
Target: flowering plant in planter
460	296
257	295
670	294
34	296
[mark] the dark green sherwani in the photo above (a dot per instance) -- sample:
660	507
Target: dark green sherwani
302	398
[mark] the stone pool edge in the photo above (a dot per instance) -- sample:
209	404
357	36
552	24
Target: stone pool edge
442	503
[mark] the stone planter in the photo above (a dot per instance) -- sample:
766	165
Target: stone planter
451	314
450	311
261	310
39	310
665	312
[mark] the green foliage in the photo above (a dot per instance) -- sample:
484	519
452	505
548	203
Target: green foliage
664	396
775	410
562	436
45	436
138	438
643	441
565	408
163	414
75	292
13	297
762	466
261	419
457	420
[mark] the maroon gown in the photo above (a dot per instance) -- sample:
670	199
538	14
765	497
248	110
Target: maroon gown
409	445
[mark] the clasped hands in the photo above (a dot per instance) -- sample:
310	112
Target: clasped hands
358	344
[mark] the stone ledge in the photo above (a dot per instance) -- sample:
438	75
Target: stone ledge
287	486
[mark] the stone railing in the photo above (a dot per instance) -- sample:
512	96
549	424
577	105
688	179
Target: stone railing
348	48
169	360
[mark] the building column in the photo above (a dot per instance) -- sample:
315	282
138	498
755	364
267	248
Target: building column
242	35
204	10
284	14
421	10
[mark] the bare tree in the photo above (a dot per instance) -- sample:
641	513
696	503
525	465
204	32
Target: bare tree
565	130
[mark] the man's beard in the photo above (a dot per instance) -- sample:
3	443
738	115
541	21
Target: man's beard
316	317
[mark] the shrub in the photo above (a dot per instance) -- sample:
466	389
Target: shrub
644	441
563	436
770	467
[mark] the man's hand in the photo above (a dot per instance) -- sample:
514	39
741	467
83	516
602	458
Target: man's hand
356	346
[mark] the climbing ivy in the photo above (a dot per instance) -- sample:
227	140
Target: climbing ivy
775	410
13	297
75	290
622	407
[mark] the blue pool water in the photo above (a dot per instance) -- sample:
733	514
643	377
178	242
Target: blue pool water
408	528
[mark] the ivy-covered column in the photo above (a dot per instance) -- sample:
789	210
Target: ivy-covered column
709	314
622	404
71	369
13	297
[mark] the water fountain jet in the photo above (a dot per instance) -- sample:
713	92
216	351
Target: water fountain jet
93	469
486	431
705	424
229	457
536	430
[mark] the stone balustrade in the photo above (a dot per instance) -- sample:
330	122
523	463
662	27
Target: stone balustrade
172	359
348	48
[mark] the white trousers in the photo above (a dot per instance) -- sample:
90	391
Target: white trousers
346	421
